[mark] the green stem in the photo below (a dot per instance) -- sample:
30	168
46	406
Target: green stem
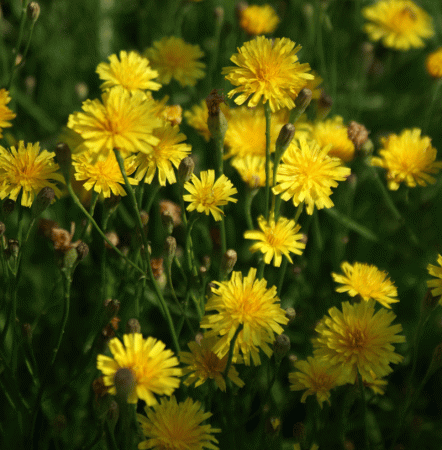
364	411
298	212
250	195
268	116
222	230
282	272
215	52
429	112
232	347
155	189
85	230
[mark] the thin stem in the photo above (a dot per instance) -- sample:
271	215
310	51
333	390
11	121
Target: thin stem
429	112
232	347
250	195
282	272
155	189
268	116
222	230
364	411
94	199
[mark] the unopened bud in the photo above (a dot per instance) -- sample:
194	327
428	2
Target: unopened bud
170	247
44	198
125	382
303	99
228	262
283	141
185	169
357	133
82	250
240	8
144	218
325	104
33	11
8	206
64	158
133	326
290	313
281	346
113	238
219	15
167	221
2	229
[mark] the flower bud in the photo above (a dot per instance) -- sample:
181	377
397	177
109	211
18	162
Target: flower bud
144	218
358	134
170	247
125	382
33	11
113	238
303	99
281	346
64	158
12	249
217	122
283	141
219	15
325	104
44	198
228	262
185	169
82	250
290	313
133	326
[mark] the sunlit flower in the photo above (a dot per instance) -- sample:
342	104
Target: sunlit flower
256	19
318	377
153	367
368	282
251	169
267	70
203	363
103	174
177	426
123	120
207	195
408	158
27	170
359	339
174	58
244	301
307	174
435	285
400	24
276	239
132	71
168	153
5	113
333	132
433	63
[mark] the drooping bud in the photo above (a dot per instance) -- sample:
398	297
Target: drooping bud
157	267
228	262
185	169
64	158
281	347
133	326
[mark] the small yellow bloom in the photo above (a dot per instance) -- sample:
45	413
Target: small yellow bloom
433	63
207	195
408	158
400	24
175	59
276	239
368	282
436	285
5	113
251	169
256	20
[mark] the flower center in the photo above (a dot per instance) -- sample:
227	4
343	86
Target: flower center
356	339
404	20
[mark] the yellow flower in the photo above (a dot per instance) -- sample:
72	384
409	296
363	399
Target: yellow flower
169	152
207	195
368	282
333	132
267	70
27	170
133	72
102	174
358	338
203	363
408	158
400	24
174	58
244	301
251	168
5	113
276	239
256	19
124	121
436	284
318	377
307	174
433	63
153	367
177	426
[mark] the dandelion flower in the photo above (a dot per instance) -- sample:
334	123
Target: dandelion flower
103	174
132	71
276	239
318	377
168	153
433	63
400	24
435	285
359	339
267	70
251	169
407	158
177	426
174	58
5	113
27	170
123	120
207	195
333	132
203	363
307	174
368	282
256	20
244	301
153	367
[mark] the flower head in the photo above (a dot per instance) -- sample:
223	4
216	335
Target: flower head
267	70
256	20
435	285
102	174
408	158
251	169
153	367
359	339
168	153
177	426
400	24
27	170
318	378
307	174
132	71
207	195
174	58
433	63
5	113
123	120
203	363
368	282
276	238
244	301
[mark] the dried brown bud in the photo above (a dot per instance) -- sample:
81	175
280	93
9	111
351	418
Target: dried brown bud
357	133
45	227
213	101
82	250
157	267
173	209
62	238
133	326
185	169
12	249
